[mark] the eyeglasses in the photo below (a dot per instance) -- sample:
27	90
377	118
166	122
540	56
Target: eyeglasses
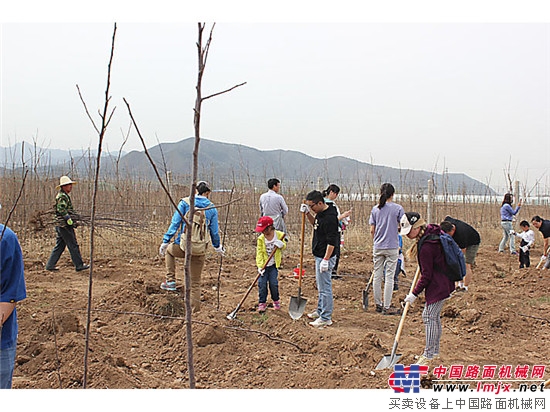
312	204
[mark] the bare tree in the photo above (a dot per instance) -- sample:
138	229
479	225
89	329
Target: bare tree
105	119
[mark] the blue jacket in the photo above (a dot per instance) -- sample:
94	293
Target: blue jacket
507	212
177	224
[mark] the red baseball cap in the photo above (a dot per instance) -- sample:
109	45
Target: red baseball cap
263	223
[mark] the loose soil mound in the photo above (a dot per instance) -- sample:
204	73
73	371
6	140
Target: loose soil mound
137	336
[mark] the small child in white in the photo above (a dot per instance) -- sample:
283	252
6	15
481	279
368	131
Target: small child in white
268	269
527	239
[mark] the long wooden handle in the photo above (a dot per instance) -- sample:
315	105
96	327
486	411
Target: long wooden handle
302	240
406	309
541	260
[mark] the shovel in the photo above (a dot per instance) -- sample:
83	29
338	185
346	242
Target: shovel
366	293
542	259
298	303
233	314
389	360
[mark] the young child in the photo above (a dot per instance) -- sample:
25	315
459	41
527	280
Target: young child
527	239
267	242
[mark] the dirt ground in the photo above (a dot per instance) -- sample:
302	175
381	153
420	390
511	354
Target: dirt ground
137	332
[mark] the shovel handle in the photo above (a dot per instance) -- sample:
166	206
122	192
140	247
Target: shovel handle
541	260
302	240
405	310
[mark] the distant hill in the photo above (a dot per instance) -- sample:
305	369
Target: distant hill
225	163
221	162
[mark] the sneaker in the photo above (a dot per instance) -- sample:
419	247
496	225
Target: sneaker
83	267
514	253
277	304
313	315
422	360
320	323
55	269
168	286
262	307
379	308
391	311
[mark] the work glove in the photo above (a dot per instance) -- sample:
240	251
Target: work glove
525	248
304	208
323	266
279	243
162	249
261	271
220	250
410	298
512	232
543	258
68	219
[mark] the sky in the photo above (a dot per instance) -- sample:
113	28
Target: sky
462	91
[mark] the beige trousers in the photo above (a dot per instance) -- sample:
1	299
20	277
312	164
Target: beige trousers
197	263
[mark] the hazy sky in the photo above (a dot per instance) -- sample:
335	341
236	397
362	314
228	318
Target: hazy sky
469	96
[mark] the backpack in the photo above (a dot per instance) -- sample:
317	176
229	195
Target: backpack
199	229
455	268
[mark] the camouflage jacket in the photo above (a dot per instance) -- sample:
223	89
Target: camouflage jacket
63	204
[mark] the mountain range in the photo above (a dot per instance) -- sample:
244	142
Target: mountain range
225	164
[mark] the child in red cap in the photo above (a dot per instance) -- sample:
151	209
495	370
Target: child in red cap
267	241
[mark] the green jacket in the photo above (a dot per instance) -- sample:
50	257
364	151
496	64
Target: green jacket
261	253
63	205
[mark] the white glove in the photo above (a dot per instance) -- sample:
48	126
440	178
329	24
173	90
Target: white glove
279	243
543	258
304	208
512	232
261	271
220	250
323	266
525	249
162	249
410	298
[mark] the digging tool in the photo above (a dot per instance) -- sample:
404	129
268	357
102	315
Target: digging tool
298	303
389	360
233	314
542	259
366	292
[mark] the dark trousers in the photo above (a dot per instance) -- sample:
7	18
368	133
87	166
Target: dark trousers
65	237
524	260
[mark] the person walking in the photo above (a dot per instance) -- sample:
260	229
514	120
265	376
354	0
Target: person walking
273	204
269	240
65	226
12	291
176	249
324	219
507	213
384	222
330	194
467	239
437	287
543	225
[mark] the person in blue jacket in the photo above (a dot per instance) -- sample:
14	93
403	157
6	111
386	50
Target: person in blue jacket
507	214
12	290
175	249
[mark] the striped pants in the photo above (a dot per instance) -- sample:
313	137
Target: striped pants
431	316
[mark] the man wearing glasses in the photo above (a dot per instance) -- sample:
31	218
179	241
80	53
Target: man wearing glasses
324	219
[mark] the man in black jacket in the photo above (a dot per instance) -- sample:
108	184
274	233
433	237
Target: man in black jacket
468	240
326	237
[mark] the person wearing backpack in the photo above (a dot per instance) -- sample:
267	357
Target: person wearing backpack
437	286
208	226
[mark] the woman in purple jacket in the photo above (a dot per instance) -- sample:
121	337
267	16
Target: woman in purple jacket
507	213
436	285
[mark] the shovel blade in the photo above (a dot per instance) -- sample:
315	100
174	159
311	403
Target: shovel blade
388	361
232	315
297	307
365	299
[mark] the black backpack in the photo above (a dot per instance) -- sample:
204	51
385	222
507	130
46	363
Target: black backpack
455	268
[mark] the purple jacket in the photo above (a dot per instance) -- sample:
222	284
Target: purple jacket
435	284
